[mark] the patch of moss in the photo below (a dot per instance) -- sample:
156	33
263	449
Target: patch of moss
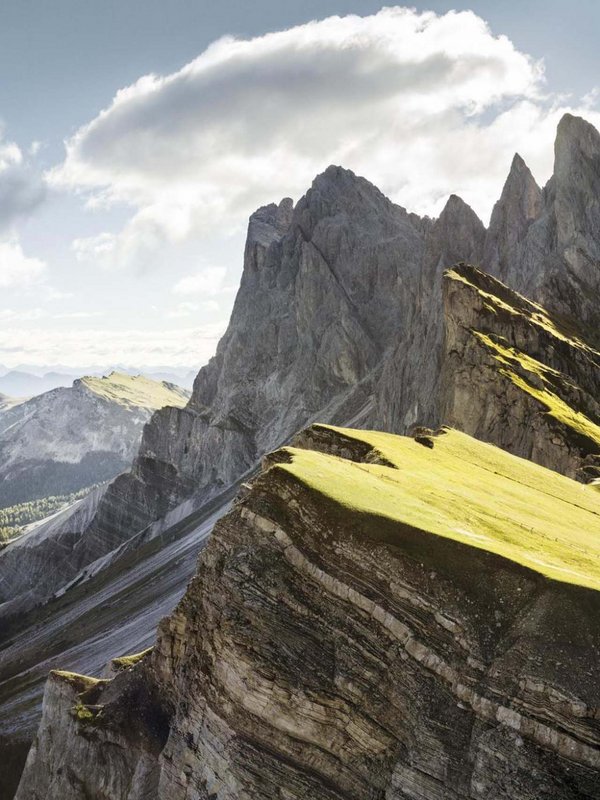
80	683
125	662
84	713
512	360
469	492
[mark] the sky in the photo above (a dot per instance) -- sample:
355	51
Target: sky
136	139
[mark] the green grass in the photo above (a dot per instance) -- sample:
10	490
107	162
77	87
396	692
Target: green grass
83	713
555	406
79	682
469	492
125	662
136	391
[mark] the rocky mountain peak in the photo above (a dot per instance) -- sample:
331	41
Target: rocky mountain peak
576	147
457	212
521	193
338	194
575	214
521	204
457	234
269	223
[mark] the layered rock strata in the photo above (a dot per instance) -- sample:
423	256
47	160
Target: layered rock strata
361	626
339	318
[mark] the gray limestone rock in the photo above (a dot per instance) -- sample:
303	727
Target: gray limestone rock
513	374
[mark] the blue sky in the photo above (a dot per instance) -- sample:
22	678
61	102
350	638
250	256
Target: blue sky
125	243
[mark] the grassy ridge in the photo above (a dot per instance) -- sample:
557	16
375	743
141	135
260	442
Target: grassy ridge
136	391
470	492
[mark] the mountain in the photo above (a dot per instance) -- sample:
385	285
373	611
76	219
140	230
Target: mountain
70	438
343	316
327	290
8	402
339	318
361	625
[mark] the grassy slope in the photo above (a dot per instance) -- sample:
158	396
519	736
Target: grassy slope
136	390
470	492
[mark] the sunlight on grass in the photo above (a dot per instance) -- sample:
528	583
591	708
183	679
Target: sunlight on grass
509	359
136	391
470	492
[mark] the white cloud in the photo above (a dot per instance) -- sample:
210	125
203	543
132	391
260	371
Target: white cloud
20	316
421	104
207	282
77	315
249	121
22	188
183	310
177	347
16	269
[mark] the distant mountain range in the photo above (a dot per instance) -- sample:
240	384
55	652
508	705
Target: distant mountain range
32	380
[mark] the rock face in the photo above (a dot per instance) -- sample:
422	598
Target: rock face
331	647
329	289
515	375
339	318
546	244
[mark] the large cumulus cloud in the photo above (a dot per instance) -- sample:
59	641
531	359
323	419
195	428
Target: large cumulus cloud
423	105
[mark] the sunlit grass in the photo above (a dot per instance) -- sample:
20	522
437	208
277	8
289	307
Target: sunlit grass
136	390
470	492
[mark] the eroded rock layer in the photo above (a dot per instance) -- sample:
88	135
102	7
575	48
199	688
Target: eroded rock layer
363	637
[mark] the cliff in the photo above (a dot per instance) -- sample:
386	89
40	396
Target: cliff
519	376
361	625
328	289
339	318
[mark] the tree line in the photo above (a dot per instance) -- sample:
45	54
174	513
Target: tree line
14	518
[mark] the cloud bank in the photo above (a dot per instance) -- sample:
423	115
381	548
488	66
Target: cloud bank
421	104
72	347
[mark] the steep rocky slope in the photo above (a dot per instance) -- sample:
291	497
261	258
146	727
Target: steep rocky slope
328	289
546	243
69	438
114	611
362	625
516	375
